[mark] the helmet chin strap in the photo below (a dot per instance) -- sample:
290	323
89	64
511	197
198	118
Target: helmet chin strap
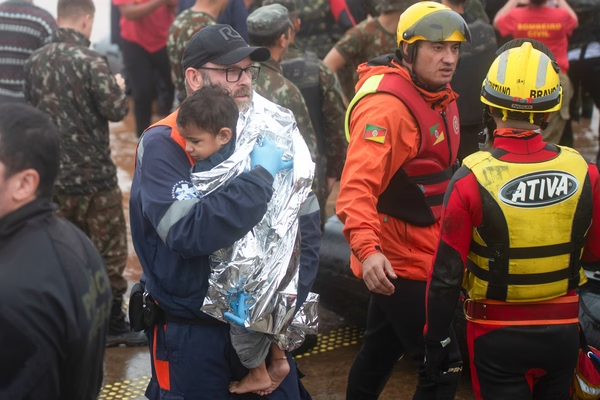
545	121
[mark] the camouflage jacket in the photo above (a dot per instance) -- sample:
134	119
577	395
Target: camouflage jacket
360	44
185	25
319	30
74	86
332	110
272	85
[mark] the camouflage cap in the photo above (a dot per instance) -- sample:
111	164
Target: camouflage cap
268	20
289	4
393	5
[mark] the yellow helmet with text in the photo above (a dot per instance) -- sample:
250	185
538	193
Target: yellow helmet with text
430	21
522	81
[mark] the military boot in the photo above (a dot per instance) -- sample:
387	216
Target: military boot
119	331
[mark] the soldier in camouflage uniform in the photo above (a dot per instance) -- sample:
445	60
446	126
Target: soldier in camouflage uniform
203	13
475	60
319	29
367	40
326	105
75	87
270	26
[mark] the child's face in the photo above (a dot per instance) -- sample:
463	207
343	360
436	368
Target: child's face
202	144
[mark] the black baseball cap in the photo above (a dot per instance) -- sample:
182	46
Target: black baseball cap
219	44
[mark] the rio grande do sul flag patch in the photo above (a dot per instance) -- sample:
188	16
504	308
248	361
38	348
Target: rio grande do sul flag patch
375	133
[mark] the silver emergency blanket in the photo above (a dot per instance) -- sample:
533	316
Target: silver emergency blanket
264	263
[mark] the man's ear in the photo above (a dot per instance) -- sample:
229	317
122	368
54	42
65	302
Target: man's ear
283	40
26	184
194	79
86	20
224	135
297	24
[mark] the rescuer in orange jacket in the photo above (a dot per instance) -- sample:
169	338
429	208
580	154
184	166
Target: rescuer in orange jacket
403	132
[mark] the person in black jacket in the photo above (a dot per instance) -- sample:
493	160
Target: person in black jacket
475	60
55	297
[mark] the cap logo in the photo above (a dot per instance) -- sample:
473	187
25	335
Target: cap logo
229	33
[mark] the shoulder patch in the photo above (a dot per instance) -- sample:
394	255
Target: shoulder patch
375	133
183	190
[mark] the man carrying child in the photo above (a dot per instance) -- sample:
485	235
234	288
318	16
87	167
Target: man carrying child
174	232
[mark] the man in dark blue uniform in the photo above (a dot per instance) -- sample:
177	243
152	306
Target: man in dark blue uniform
174	233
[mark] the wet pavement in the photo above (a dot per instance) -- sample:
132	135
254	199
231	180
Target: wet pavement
326	366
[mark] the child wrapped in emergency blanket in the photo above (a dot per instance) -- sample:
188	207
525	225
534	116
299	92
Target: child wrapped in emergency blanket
253	283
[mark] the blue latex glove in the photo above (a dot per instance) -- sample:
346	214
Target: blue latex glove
240	308
268	155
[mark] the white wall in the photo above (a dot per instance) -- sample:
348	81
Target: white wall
101	22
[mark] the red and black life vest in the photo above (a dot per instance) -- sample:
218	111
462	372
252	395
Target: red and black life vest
415	193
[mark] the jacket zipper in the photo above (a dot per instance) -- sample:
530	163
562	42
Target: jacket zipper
447	138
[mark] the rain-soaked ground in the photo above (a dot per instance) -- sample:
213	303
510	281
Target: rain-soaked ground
326	366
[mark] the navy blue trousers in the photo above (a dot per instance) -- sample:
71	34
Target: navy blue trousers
197	362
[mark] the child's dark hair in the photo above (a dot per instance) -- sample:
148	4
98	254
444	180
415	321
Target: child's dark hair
209	108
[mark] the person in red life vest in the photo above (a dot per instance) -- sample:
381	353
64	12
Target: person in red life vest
403	130
517	223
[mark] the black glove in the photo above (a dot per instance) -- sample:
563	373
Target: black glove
436	359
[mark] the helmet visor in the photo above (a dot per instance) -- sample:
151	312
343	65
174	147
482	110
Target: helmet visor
439	26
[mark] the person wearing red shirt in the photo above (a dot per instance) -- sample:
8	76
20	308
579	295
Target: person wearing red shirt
518	223
551	23
144	31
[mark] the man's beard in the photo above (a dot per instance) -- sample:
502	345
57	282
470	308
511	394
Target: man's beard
243	106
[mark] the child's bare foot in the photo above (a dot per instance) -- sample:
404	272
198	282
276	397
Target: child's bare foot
255	381
278	370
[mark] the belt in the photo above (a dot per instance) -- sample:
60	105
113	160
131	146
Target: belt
188	321
562	310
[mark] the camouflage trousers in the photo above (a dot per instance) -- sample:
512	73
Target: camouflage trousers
100	216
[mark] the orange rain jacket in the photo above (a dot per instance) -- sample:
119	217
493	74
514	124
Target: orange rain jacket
370	166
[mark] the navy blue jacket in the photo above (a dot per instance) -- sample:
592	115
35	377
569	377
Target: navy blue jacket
174	232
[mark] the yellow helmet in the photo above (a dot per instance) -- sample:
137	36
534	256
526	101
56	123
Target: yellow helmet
522	80
430	21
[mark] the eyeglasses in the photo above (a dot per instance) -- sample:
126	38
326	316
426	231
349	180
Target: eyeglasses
234	74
